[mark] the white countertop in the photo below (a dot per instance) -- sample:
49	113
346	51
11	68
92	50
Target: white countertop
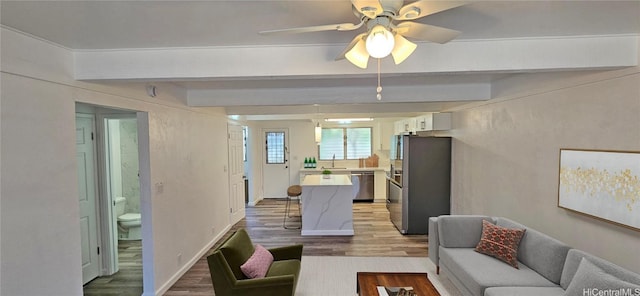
334	180
319	170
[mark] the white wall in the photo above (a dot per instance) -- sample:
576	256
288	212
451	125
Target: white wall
40	211
506	152
114	151
39	214
129	163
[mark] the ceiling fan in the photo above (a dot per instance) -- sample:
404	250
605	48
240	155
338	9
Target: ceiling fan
384	36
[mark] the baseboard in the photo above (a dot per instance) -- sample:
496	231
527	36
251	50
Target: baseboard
339	232
255	202
167	285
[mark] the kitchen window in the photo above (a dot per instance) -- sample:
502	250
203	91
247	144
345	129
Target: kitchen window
345	143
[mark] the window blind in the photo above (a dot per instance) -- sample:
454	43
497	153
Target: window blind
345	143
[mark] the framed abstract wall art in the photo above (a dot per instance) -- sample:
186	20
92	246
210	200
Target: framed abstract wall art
601	184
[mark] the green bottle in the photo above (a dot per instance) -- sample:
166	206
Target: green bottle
313	162
306	163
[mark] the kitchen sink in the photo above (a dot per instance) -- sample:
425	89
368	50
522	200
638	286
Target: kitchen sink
333	168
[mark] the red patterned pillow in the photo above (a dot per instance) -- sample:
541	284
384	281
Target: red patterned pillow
258	264
500	242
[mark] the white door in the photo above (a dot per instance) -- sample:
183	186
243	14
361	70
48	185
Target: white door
85	157
236	173
275	164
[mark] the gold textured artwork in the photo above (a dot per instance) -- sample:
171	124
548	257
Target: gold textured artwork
602	184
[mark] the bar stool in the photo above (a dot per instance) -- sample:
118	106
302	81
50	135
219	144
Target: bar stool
294	191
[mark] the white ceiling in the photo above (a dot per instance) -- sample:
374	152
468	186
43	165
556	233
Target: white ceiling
305	61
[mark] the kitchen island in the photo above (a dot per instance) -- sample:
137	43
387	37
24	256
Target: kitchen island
380	174
327	205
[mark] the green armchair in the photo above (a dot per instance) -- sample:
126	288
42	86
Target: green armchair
228	279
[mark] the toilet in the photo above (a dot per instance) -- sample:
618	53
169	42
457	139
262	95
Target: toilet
128	223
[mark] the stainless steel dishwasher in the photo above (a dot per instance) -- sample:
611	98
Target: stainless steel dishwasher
363	185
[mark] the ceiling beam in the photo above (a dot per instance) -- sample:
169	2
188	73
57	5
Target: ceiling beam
336	95
458	56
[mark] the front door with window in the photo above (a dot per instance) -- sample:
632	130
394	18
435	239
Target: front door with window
275	164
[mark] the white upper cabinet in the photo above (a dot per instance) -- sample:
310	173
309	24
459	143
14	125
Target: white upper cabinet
433	122
426	122
405	126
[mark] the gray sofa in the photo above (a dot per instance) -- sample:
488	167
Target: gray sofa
546	265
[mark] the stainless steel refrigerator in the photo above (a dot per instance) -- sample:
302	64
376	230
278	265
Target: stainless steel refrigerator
419	181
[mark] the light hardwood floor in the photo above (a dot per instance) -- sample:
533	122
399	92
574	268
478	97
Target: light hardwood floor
374	235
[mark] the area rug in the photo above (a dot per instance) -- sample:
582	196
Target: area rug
336	275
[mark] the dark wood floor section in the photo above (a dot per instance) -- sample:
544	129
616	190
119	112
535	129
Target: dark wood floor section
374	235
128	280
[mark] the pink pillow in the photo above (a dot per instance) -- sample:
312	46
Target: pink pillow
258	264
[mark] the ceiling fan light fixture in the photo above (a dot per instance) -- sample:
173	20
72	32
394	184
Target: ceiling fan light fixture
318	133
404	48
380	42
358	55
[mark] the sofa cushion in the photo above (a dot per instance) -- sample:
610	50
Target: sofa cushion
574	257
478	272
500	242
539	251
258	264
285	267
524	291
460	231
590	277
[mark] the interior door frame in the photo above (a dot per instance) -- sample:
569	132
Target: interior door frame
146	202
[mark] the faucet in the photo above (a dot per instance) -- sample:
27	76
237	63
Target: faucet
333	161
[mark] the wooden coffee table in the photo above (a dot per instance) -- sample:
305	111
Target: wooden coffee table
367	282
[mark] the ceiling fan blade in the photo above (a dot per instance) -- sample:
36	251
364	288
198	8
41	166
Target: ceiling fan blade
423	8
426	32
338	27
403	49
351	45
370	8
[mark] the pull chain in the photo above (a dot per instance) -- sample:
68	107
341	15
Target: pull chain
379	89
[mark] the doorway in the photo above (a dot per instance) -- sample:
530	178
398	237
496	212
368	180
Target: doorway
275	165
122	180
117	200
